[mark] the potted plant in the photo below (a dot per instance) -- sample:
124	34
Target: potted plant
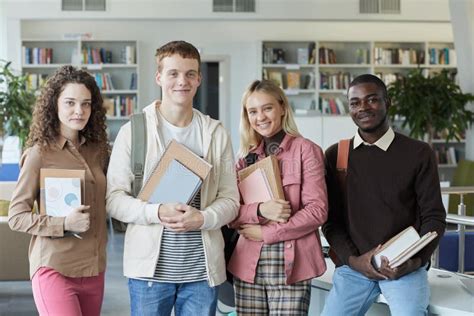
16	103
430	104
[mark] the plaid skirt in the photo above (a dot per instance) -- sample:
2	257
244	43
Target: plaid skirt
270	295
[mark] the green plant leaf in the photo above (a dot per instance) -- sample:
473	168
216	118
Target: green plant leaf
16	103
431	104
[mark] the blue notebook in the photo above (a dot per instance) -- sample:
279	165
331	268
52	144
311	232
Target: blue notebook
178	184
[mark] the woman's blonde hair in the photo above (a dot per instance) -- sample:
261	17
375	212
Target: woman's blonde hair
249	139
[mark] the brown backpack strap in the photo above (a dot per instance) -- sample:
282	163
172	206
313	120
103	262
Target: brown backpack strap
341	166
343	155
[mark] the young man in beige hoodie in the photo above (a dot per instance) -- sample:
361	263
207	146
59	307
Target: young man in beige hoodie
174	253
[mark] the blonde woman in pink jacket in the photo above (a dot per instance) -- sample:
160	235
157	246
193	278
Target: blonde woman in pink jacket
279	249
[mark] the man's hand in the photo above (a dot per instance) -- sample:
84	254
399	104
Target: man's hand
251	231
363	264
395	273
169	210
276	210
187	219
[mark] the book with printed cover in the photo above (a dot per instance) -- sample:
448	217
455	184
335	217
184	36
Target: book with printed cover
61	190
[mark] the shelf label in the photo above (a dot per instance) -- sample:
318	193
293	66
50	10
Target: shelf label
94	66
292	67
292	91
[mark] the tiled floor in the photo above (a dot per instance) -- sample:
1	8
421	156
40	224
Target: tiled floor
16	298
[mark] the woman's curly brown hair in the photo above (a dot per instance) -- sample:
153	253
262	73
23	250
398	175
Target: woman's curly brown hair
45	126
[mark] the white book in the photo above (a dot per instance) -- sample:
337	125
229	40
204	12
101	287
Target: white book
62	195
402	247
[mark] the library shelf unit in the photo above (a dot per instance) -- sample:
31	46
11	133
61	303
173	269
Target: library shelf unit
325	69
113	63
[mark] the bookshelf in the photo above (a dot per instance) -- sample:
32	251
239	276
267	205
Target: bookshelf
321	110
113	63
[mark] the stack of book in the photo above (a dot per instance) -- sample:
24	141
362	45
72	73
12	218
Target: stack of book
261	181
402	247
177	177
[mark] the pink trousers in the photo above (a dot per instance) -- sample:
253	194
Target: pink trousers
58	295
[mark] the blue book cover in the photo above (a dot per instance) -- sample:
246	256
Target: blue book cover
178	184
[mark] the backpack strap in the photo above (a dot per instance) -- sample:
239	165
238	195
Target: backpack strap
341	167
343	155
138	150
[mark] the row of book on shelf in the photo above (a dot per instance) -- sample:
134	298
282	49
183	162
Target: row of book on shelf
328	56
335	81
37	55
35	81
104	81
92	55
446	155
120	106
304	55
327	106
398	56
382	56
442	56
291	79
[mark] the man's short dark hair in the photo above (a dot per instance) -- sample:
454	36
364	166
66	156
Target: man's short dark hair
368	78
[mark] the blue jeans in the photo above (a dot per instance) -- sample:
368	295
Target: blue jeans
149	298
352	293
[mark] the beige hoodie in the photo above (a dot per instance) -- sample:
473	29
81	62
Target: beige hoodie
219	198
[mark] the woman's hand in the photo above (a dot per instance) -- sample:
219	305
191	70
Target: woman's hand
275	210
251	232
77	221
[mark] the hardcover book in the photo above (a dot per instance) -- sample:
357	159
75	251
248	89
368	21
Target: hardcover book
293	80
61	190
276	77
271	168
178	184
255	187
402	247
177	166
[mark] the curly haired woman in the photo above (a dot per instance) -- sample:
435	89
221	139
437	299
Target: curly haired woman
67	254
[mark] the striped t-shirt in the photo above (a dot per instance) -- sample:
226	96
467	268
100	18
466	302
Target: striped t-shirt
181	257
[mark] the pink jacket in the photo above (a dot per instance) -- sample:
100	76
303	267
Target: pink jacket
302	173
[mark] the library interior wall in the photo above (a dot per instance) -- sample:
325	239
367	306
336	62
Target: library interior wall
462	16
341	10
240	40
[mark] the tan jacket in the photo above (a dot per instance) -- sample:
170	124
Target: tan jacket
219	198
68	255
